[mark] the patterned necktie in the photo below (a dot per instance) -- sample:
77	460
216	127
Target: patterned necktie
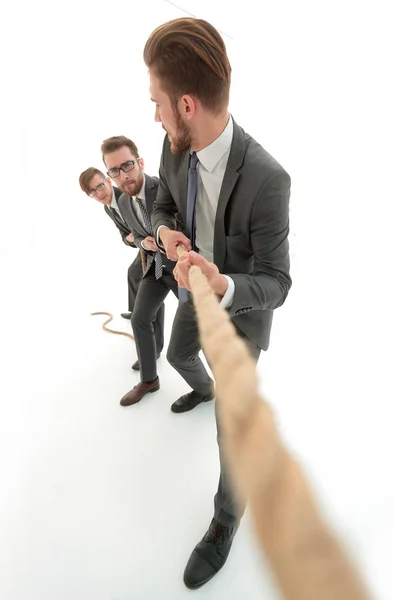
192	188
191	198
149	229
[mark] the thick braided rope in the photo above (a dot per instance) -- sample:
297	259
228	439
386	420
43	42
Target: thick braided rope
307	559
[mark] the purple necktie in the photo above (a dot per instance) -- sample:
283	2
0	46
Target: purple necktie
190	216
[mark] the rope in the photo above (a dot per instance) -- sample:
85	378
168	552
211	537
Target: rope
308	561
104	325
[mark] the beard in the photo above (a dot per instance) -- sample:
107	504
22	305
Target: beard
181	140
134	188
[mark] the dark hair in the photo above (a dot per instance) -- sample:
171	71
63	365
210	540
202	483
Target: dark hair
87	176
116	142
189	57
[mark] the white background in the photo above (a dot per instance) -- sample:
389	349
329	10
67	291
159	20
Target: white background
107	503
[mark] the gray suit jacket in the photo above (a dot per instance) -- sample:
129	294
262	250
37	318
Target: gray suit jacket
121	226
250	231
128	212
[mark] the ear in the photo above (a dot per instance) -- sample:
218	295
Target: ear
108	180
187	107
141	163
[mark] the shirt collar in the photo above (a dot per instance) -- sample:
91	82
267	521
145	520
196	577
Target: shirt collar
113	203
212	154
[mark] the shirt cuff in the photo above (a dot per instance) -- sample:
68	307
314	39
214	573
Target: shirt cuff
227	299
158	240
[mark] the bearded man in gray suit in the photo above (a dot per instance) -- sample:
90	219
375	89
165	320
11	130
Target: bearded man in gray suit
232	198
126	168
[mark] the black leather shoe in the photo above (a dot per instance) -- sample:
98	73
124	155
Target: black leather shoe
135	366
190	401
126	315
209	556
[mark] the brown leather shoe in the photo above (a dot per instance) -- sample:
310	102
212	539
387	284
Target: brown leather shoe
138	391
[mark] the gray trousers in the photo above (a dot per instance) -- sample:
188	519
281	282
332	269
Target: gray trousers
134	280
183	355
148	302
134	277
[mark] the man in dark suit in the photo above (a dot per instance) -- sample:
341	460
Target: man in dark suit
126	167
233	200
96	185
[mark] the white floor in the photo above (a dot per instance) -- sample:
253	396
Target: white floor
99	501
103	502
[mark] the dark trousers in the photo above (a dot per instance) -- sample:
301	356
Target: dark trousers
149	299
134	280
183	355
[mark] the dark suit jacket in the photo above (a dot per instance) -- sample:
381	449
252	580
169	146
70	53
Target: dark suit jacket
250	231
113	214
128	212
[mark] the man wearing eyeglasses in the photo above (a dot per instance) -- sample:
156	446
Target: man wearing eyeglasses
96	185
126	169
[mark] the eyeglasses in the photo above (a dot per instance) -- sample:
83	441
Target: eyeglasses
125	167
99	188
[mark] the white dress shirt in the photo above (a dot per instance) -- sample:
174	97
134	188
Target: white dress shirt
212	162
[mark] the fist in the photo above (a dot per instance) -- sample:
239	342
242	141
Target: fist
171	239
149	243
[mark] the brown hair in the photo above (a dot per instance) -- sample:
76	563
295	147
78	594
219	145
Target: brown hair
189	57
116	142
87	176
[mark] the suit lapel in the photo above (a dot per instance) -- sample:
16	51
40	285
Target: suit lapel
134	219
149	187
114	215
117	191
235	160
120	220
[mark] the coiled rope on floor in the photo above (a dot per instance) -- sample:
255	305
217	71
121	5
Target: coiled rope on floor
104	325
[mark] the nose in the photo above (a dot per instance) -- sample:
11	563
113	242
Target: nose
123	176
157	116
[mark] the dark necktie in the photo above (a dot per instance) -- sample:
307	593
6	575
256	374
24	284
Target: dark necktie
149	229
192	188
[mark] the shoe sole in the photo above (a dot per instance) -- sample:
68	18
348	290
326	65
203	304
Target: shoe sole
196	587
